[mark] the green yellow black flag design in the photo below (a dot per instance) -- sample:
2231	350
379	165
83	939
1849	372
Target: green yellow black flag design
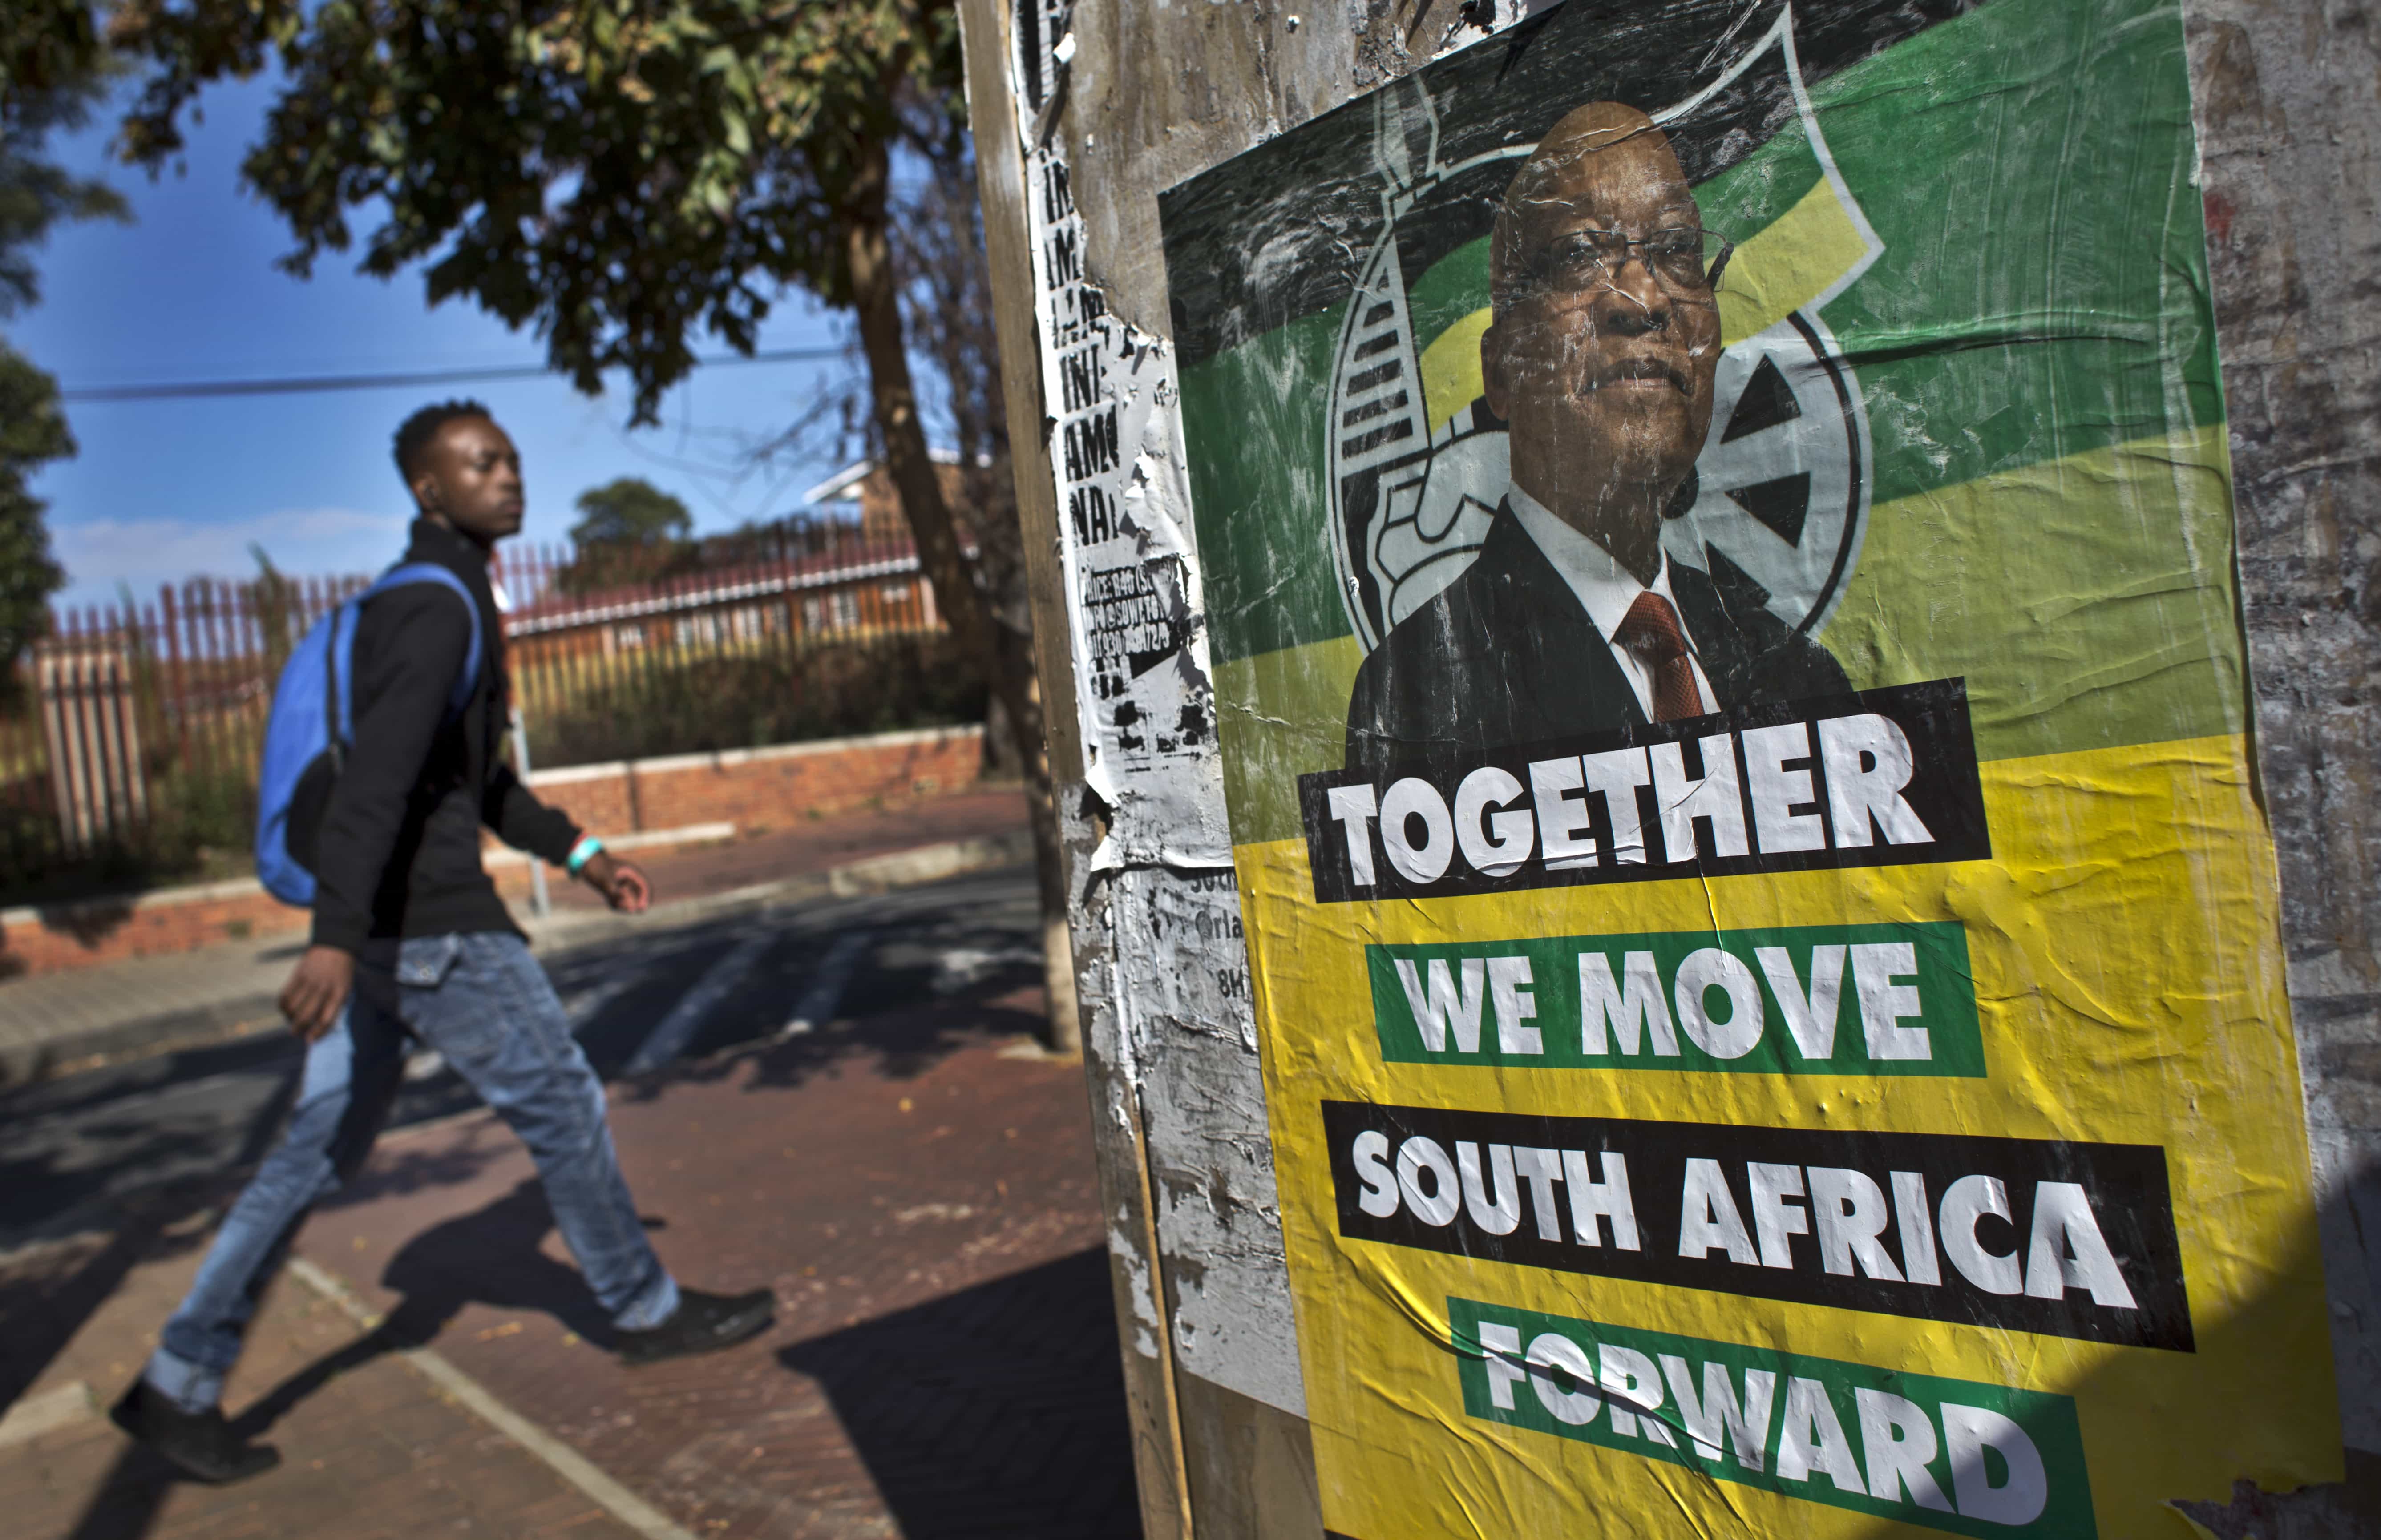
1719	546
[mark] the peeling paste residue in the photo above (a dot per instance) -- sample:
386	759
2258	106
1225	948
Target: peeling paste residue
1183	1038
1136	629
1203	1109
1145	1321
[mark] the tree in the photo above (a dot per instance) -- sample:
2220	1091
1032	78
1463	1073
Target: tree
33	433
946	285
52	69
628	531
618	176
947	301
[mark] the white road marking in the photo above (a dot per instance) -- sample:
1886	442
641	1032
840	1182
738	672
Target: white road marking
558	1456
582	1006
816	1007
669	1040
960	967
47	1413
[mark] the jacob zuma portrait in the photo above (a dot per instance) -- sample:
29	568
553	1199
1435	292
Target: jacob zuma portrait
1601	358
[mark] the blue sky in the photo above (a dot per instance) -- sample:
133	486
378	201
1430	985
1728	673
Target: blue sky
188	291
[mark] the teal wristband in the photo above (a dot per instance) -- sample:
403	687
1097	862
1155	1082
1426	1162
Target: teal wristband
582	853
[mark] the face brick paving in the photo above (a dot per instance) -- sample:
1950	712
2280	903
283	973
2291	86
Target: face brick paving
919	1192
369	1451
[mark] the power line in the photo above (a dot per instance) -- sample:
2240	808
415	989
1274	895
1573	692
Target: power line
309	384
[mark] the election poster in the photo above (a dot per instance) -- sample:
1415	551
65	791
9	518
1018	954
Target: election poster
1718	534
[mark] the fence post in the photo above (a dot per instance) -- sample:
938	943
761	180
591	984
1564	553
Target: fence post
540	903
90	717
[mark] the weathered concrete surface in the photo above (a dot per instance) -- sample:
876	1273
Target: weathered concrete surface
2288	97
1001	122
1121	101
1231	76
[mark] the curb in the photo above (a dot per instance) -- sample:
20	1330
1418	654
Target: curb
142	1037
873	874
223	1021
552	1453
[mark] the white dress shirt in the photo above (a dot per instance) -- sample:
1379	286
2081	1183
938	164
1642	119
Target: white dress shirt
1606	592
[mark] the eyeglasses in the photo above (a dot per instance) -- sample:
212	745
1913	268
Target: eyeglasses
1686	261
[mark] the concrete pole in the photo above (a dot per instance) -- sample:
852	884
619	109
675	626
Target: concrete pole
1084	114
2286	100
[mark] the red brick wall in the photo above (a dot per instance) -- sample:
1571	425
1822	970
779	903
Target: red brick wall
757	790
111	930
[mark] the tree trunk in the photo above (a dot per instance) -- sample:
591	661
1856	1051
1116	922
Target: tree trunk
1007	655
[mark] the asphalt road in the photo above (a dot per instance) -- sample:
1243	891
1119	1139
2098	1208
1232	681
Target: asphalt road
69	1145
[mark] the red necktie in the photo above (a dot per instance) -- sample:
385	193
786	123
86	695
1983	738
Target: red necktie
1650	630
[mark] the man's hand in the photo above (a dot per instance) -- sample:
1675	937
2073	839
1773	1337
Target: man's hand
622	885
316	990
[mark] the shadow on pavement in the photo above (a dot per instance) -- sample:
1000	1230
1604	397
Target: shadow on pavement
126	1502
46	1301
944	970
898	1044
997	1411
121	1138
45	1307
899	1041
490	1256
933	981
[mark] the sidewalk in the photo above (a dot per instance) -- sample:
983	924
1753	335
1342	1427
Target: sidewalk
920	1193
127	1009
818	846
372	1450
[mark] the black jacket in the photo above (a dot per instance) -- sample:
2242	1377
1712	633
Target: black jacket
1505	655
399	853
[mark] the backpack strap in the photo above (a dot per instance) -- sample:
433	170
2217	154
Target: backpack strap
431	572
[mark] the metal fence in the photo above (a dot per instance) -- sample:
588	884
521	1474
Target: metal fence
802	631
129	737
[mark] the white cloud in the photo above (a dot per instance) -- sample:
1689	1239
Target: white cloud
144	553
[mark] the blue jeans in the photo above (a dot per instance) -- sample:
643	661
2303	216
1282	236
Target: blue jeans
483	1002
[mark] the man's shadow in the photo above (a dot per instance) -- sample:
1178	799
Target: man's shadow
492	1256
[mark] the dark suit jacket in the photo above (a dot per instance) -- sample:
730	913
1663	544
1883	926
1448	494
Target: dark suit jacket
1505	655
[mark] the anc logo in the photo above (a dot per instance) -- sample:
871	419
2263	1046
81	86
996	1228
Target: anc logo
1779	499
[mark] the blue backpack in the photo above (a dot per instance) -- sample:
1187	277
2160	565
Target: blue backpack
307	737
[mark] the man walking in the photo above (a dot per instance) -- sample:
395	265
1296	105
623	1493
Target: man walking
411	942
